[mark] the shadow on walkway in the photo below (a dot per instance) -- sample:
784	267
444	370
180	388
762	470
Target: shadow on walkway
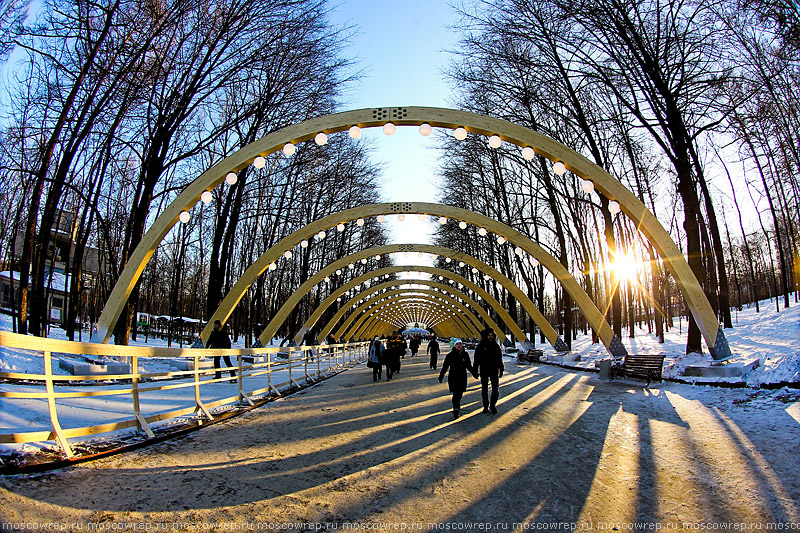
564	447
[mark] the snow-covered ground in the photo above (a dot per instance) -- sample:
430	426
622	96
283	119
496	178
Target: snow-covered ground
770	338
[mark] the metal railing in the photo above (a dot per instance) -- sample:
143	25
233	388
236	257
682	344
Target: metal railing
137	395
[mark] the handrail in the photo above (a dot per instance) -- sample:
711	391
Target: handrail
272	366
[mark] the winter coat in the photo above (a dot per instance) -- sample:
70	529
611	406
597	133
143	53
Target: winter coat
458	363
414	344
394	347
376	352
433	347
218	339
488	358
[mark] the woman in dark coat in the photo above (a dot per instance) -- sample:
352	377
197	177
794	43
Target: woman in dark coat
457	361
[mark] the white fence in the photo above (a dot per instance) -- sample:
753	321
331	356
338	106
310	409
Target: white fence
101	403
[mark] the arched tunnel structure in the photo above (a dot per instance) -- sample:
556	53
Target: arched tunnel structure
531	143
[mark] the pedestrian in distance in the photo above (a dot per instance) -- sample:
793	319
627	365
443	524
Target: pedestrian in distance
458	364
433	351
395	347
413	345
219	339
376	358
489	366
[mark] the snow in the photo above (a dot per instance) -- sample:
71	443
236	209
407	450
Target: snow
769	339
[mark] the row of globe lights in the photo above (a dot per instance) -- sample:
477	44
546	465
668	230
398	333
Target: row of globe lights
460	133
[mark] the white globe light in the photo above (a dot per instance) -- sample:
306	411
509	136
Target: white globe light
273	266
340	227
327	279
401	217
421	218
320	138
461	264
184	217
587	186
354	132
442	220
338	271
613	207
534	262
287	254
360	222
559	168
486	277
380	218
447	260
500	240
364	261
351	266
528	153
288	149
518	250
259	162
405	254
462	225
482	232
474	270
460	133
206	197
321	234
231	178
303	244
495	141
389	128
378	257
425	129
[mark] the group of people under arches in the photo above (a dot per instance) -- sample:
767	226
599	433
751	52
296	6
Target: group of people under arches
486	365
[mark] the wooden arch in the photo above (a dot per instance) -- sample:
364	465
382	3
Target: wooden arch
550	333
443	118
371	318
444	289
464	321
431	315
594	317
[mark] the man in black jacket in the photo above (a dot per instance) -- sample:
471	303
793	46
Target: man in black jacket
489	366
219	339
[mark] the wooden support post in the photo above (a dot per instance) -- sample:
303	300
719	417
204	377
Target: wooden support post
51	405
199	406
242	395
137	411
291	356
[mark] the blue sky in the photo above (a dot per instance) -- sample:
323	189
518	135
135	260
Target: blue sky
401	49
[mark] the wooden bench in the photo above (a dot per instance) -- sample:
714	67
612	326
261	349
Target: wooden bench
640	366
531	356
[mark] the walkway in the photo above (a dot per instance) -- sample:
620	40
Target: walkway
565	448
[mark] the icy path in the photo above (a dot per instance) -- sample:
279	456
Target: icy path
565	448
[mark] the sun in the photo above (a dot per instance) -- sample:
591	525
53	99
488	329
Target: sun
626	267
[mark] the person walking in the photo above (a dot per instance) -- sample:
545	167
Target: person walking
395	346
489	366
457	363
413	345
376	358
433	350
219	339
